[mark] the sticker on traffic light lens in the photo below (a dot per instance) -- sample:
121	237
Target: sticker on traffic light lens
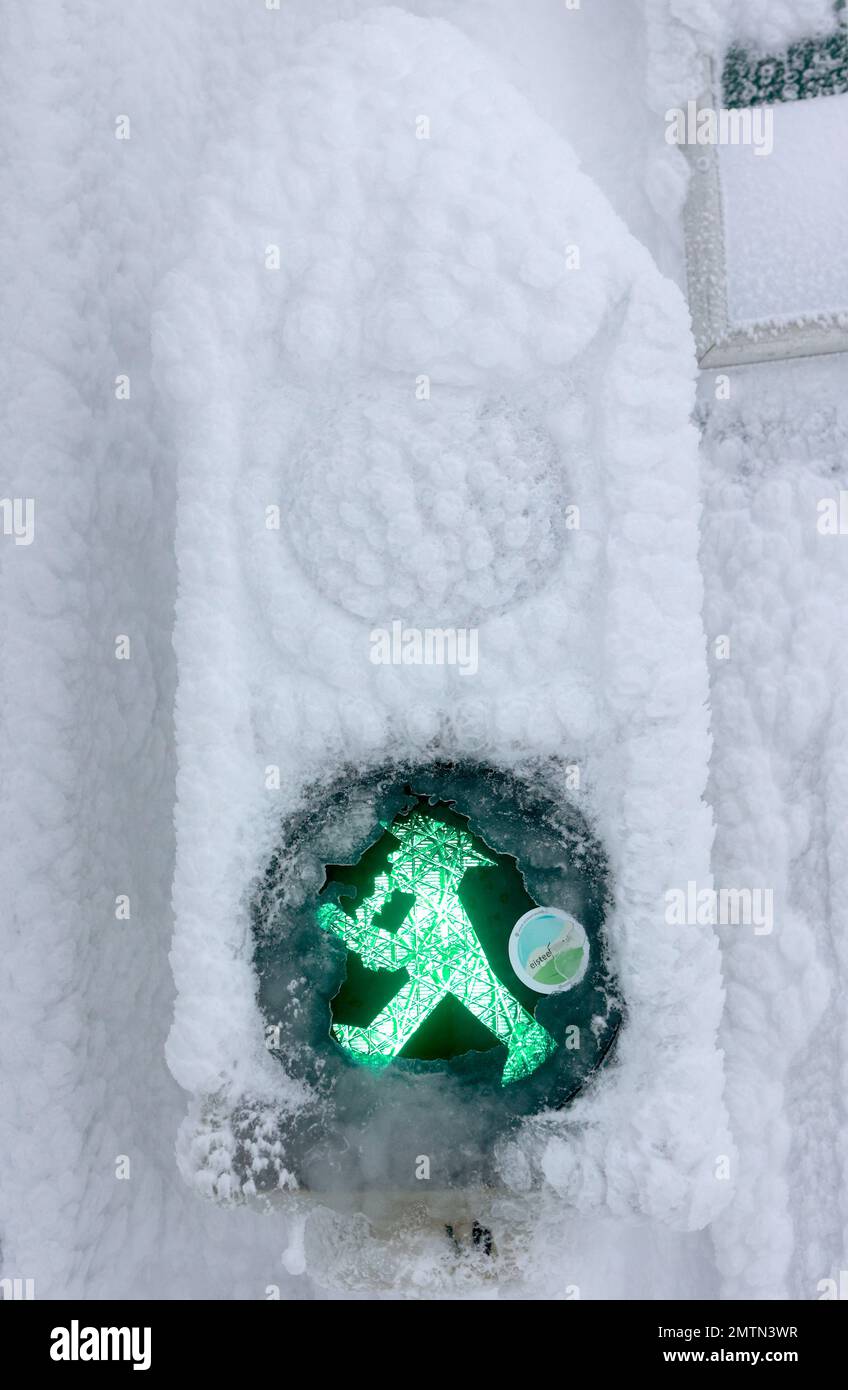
549	950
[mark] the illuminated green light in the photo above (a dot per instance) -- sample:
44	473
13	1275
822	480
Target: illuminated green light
437	946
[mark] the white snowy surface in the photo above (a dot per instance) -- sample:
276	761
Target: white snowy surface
784	215
177	219
776	587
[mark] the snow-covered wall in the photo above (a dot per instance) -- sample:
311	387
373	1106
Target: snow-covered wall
775	458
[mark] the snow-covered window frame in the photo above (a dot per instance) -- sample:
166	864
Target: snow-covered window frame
811	68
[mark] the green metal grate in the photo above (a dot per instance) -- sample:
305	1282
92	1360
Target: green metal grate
814	67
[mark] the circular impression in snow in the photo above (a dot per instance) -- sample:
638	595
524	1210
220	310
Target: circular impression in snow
448	507
549	950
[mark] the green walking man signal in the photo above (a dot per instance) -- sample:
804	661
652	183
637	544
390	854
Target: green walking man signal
437	946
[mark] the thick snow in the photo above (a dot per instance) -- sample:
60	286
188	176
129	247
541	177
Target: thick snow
87	753
775	586
147	256
784	214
